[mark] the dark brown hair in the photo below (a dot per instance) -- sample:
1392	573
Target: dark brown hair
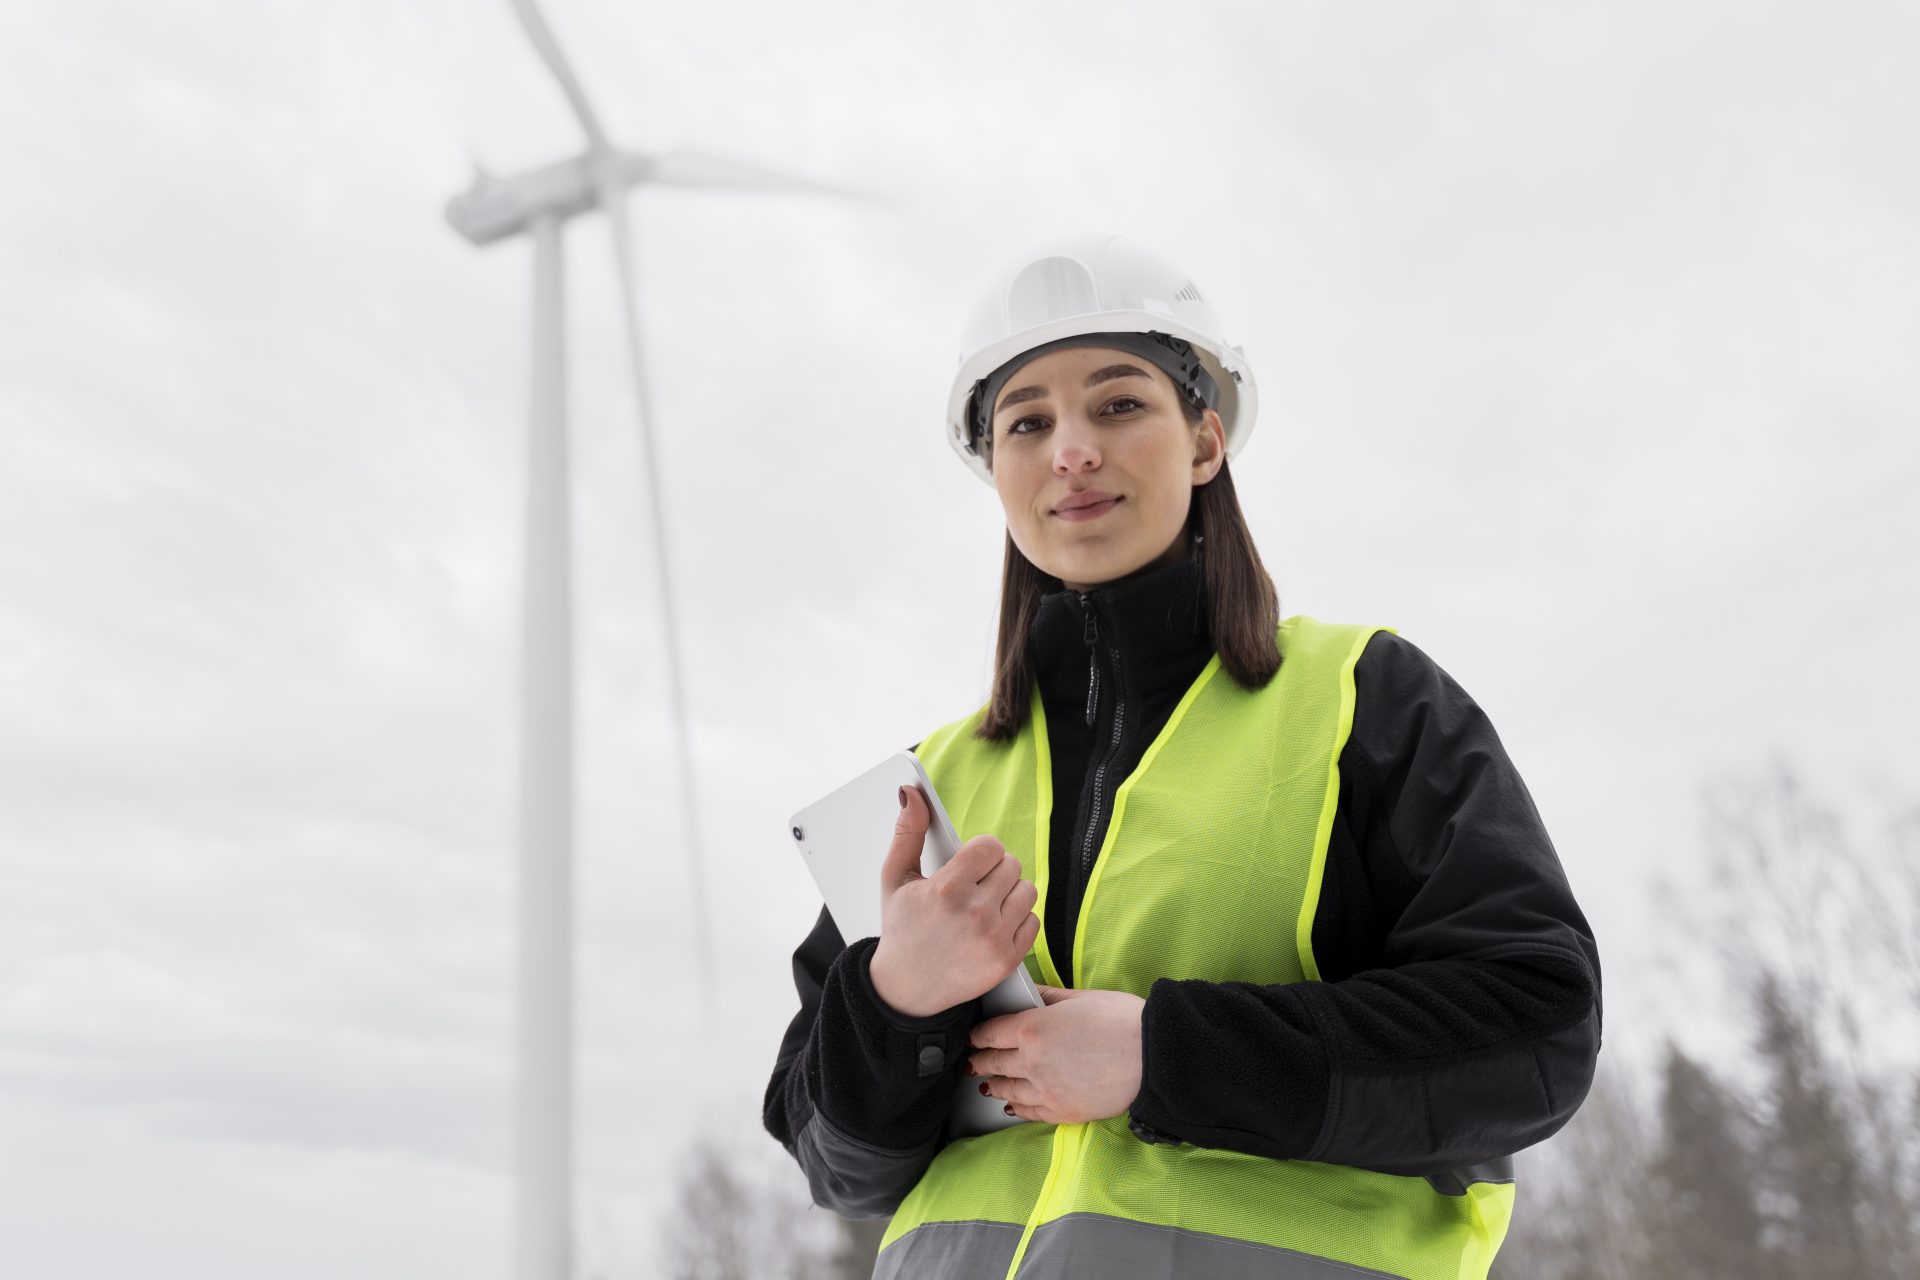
1243	607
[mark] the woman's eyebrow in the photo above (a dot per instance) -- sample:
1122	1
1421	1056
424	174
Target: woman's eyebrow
1094	379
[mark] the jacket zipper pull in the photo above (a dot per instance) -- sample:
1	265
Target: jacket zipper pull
1093	666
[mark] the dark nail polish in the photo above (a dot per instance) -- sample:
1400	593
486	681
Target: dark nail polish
903	797
1009	1108
983	1088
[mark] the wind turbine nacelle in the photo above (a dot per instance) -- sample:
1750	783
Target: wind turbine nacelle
495	208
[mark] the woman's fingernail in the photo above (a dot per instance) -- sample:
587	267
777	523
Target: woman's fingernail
1009	1108
983	1088
903	797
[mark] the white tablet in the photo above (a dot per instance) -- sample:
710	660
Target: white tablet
843	837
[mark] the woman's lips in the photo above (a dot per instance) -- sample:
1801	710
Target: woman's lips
1094	512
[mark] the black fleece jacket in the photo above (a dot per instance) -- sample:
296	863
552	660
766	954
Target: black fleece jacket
1458	1018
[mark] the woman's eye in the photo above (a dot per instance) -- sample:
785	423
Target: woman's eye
1122	404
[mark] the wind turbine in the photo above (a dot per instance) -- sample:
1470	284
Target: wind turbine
538	203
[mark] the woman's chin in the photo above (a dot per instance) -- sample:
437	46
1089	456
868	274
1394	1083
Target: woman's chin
1090	573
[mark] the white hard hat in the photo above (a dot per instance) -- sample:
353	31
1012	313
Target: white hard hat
1093	284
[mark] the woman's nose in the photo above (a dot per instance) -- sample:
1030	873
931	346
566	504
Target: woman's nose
1074	448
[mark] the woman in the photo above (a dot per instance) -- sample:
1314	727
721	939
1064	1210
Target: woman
1312	969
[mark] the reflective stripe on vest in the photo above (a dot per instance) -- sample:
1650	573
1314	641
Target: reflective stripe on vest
1176	893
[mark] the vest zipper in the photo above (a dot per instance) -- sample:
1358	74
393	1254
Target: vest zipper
1093	667
1094	802
1068	1151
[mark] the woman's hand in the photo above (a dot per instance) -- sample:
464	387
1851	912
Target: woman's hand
1075	1060
947	938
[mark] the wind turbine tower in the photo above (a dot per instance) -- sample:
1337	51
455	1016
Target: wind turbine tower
538	203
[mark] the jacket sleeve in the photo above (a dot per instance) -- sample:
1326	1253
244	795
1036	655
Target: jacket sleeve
861	1094
1458	1016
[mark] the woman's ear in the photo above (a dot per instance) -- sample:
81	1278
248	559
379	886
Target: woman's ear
1209	447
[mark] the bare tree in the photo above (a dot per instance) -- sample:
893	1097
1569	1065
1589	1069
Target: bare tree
858	1248
1703	1206
1818	934
1580	1198
738	1219
1815	1168
712	1228
1892	924
1811	1166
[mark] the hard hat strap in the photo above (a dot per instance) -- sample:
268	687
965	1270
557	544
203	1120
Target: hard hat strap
1176	357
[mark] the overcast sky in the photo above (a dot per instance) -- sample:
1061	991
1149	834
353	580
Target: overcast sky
1585	340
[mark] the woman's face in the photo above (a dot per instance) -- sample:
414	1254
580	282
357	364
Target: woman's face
1094	421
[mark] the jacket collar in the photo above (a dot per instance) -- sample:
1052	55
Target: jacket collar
1155	617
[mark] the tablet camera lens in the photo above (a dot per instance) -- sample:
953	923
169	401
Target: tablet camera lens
796	834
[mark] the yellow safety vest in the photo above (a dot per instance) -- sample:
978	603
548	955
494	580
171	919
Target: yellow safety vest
1216	846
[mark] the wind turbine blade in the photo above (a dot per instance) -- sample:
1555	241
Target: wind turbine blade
701	169
613	204
542	36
